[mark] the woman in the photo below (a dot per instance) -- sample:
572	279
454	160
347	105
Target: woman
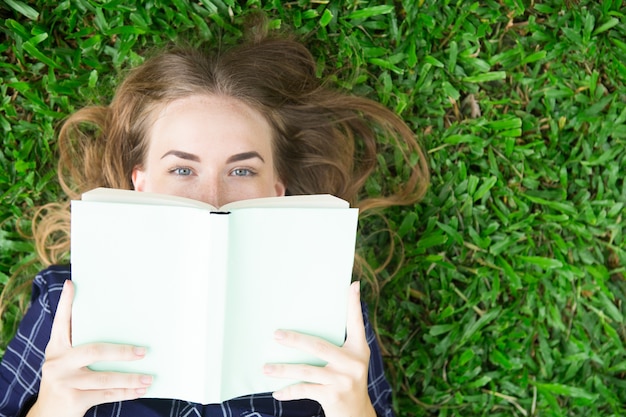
251	122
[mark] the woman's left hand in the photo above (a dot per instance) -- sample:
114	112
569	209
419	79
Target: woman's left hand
340	386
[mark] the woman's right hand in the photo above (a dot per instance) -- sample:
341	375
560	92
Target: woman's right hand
68	388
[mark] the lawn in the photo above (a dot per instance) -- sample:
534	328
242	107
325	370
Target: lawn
503	292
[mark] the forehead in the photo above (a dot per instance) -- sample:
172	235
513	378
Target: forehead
213	107
211	118
217	103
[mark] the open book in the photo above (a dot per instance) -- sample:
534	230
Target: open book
204	289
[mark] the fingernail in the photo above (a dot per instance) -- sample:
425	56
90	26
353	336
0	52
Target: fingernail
146	380
268	369
140	391
279	335
139	351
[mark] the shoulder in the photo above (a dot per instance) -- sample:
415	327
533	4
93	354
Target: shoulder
54	275
47	287
20	369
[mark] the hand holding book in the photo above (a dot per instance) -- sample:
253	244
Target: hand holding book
66	388
343	377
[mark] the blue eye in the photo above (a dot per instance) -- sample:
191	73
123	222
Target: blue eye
183	172
241	172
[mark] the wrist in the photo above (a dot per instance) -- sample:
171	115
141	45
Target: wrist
366	411
30	409
369	411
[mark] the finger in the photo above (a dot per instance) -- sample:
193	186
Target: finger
91	380
299	372
60	336
85	355
315	346
355	328
300	391
91	398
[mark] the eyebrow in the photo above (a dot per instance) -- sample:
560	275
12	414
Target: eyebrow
182	155
243	156
234	158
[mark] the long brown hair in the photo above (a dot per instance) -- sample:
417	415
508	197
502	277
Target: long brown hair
325	140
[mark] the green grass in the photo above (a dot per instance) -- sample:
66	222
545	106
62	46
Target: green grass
511	296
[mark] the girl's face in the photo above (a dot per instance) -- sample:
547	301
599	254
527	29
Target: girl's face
210	148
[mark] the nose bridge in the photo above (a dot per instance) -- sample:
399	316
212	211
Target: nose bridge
212	189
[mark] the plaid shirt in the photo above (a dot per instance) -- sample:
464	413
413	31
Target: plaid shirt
20	372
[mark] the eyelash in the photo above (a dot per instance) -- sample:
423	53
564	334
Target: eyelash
249	172
188	172
176	171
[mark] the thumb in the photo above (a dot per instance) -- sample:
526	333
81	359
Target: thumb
60	335
354	327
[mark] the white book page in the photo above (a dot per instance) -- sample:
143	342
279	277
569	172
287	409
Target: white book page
141	276
129	196
296	276
292	201
114	195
